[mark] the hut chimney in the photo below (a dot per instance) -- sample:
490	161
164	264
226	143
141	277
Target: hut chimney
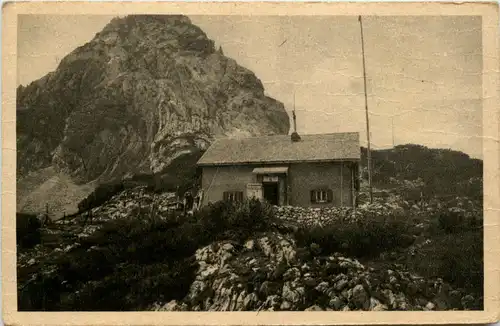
295	136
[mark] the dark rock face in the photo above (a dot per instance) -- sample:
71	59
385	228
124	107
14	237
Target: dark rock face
144	91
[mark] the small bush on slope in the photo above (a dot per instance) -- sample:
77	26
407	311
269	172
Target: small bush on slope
27	231
100	195
454	221
369	236
244	217
130	263
456	258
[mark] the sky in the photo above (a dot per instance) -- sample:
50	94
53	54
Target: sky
424	74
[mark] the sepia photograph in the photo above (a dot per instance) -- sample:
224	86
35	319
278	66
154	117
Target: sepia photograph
262	162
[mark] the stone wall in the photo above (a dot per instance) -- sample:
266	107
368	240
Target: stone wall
323	216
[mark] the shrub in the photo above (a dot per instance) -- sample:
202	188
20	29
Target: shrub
27	230
134	287
368	236
100	195
450	221
457	259
42	292
243	217
129	264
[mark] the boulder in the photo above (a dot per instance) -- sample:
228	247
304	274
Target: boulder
468	302
430	306
250	301
341	284
376	305
323	287
360	297
291	274
285	305
336	303
250	244
314	308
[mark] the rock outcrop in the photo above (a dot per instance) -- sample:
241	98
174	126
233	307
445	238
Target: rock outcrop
269	273
144	91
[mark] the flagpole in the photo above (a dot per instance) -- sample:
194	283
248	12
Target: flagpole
392	122
369	155
294	117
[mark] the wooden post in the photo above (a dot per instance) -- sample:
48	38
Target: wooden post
341	184
369	155
353	186
288	188
46	217
392	122
281	191
151	211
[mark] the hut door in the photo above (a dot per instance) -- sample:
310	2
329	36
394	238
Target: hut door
271	192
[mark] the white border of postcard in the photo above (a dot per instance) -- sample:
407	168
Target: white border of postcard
489	13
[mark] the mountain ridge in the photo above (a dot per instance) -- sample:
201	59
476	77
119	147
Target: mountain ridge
144	91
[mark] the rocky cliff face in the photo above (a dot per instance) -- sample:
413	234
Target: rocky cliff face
144	91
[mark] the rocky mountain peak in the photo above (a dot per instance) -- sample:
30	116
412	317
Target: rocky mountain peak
144	91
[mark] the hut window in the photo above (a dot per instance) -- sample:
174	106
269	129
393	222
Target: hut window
233	195
321	196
